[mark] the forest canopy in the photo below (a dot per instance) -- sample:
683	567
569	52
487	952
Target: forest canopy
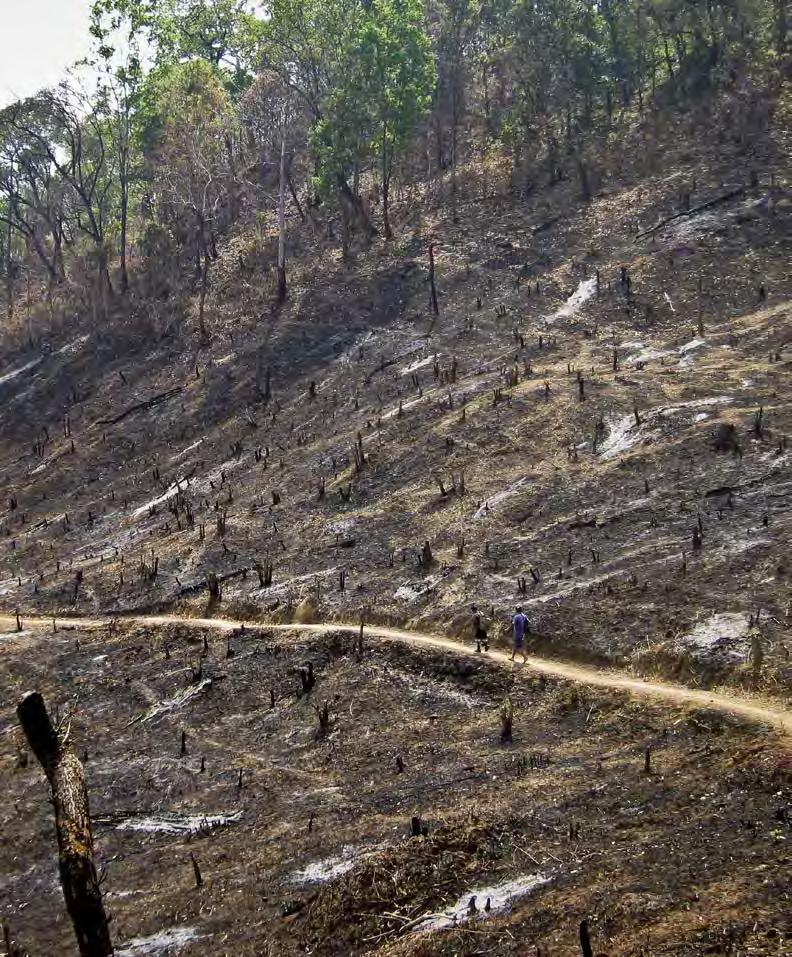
195	112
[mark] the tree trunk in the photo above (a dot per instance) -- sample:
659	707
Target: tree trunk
386	226
73	824
432	287
355	209
668	59
282	222
104	285
124	216
9	271
294	196
585	186
454	141
202	330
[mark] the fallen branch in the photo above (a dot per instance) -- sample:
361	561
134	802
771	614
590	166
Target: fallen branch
724	198
171	704
141	406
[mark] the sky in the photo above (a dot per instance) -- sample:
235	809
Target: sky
39	39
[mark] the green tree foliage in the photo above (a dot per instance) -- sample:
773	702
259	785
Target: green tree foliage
382	93
199	109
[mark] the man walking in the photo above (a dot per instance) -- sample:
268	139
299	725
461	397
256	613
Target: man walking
521	628
480	635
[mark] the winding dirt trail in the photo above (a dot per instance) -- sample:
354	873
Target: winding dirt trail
736	705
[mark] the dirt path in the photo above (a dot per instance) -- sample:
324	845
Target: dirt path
735	705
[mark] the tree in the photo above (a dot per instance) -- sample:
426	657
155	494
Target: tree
271	113
192	167
224	33
457	23
400	74
66	139
119	29
380	97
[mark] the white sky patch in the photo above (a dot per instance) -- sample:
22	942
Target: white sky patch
41	39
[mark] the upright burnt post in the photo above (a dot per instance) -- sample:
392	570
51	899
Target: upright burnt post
73	824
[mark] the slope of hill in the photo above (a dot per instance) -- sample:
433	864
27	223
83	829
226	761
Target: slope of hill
594	426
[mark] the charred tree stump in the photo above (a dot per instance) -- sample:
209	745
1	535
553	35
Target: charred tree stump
323	714
307	679
427	559
213	584
585	941
196	870
73	825
506	717
432	287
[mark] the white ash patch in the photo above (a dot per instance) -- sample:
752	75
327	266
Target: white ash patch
163	943
312	577
686	352
418	364
585	290
689	227
171	704
500	898
404	406
692	346
6	377
412	592
190	448
171	492
625	433
431	688
172	823
724	635
650	354
72	346
342	527
494	500
324	871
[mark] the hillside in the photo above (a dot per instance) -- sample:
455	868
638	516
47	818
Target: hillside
600	496
594	426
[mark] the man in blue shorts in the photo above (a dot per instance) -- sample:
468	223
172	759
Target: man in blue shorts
521	628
